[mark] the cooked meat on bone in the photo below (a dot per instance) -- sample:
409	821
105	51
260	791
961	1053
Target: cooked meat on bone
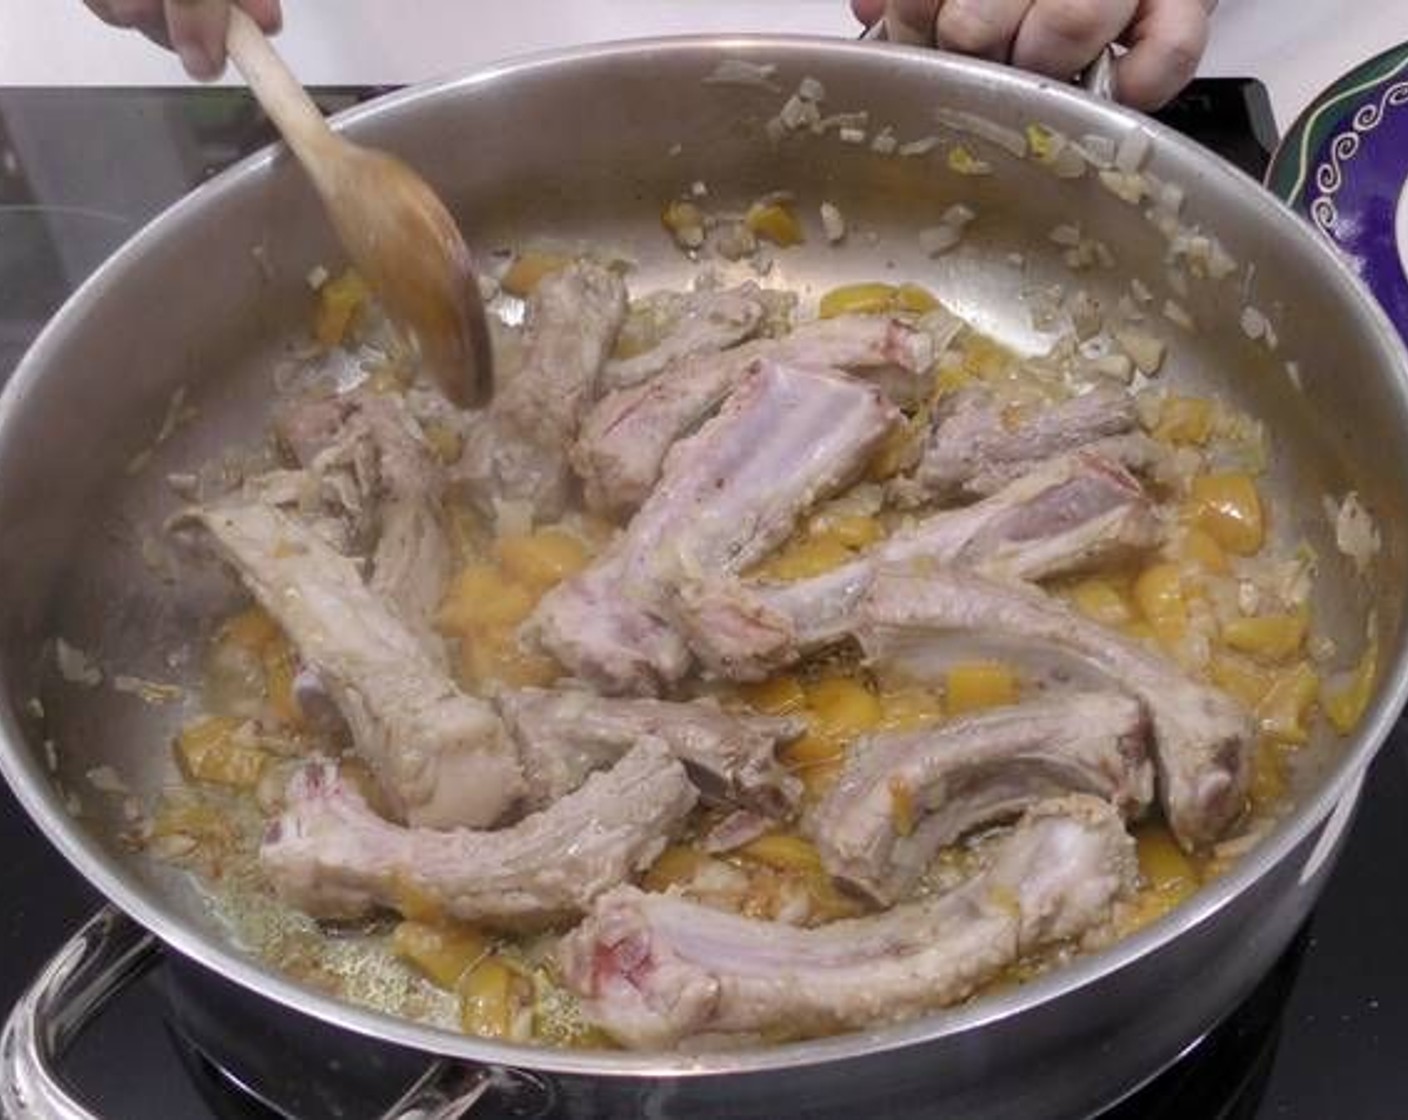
730	494
624	440
442	757
517	451
330	855
700	323
903	796
653	970
1066	515
563	736
1202	737
978	443
369	456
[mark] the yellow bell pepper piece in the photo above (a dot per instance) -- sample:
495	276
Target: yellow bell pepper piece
207	751
906	709
975	685
804	558
914	299
775	222
543	559
841	708
676	865
482	597
443	953
1268	786
857	299
339	303
1282	712
783	851
529	269
1198	550
1159	593
1103	601
778	696
495	654
1270	637
1184	420
1228	508
1345	704
496	1000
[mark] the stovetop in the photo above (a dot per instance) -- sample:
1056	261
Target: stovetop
81	170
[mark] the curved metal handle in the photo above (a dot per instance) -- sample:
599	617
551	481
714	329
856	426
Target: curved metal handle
104	956
1097	79
451	1090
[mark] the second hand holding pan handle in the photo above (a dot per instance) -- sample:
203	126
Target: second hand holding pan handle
1097	79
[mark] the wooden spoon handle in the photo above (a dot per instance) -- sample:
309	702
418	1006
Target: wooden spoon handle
282	96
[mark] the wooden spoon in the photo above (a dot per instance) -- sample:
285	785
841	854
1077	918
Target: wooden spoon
397	232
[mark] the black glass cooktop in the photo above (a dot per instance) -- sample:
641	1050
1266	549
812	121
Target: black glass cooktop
1324	1037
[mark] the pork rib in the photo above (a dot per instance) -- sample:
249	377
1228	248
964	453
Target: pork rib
368	454
442	757
730	494
903	796
700	323
624	440
563	736
1202	737
517	452
1066	515
653	970
977	443
331	856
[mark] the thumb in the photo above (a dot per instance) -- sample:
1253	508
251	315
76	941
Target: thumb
912	21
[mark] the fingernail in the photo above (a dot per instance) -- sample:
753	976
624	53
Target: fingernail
198	62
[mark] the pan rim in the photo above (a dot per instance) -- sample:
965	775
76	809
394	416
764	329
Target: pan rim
22	770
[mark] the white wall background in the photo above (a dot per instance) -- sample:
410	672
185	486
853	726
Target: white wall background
1295	46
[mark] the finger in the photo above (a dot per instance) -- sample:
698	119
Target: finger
268	14
1058	37
126	13
1166	43
197	29
985	28
867	11
911	21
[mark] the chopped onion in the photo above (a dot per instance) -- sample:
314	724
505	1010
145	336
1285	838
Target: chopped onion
75	666
921	147
1097	149
1008	139
959	215
1126	186
940	238
1141	291
1133	150
884	143
1254	324
859	120
811	89
1066	235
1144	349
1177	313
1356	535
852	135
1293	372
741	72
833	222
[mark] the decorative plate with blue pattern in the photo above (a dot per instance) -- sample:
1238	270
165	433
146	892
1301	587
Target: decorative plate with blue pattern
1344	165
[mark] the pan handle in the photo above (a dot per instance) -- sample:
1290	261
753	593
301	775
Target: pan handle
451	1090
109	952
1097	79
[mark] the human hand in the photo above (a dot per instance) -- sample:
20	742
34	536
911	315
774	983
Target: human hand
1165	38
194	29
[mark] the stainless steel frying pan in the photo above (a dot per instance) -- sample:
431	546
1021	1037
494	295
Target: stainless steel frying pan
585	146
